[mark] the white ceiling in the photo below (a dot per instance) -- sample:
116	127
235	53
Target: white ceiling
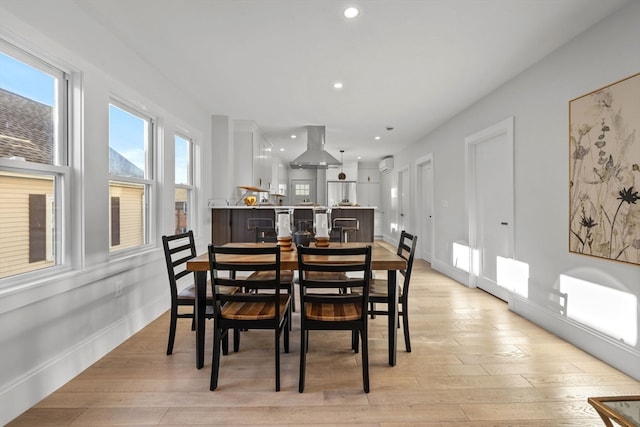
406	64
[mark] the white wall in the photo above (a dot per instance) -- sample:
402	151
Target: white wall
54	327
538	99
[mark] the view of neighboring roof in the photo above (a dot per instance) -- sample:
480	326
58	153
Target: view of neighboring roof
26	128
26	131
119	165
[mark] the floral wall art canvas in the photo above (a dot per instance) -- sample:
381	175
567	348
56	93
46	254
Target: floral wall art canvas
604	172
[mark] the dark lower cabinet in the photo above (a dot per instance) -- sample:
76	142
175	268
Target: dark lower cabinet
364	218
238	224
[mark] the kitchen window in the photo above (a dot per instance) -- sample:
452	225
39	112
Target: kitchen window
34	167
131	147
183	183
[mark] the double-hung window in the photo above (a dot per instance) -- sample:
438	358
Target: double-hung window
131	183
183	183
34	167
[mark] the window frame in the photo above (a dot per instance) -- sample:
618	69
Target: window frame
190	186
60	169
149	181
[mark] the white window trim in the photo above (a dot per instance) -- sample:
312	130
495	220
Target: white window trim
150	180
68	101
191	178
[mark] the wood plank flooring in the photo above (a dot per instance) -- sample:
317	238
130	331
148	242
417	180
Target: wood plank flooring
474	363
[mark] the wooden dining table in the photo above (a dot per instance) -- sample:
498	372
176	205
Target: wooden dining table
381	259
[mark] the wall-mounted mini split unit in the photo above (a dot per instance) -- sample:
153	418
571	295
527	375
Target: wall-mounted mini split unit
386	164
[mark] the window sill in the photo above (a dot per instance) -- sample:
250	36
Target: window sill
26	290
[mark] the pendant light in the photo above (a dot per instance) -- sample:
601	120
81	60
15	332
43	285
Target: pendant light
342	176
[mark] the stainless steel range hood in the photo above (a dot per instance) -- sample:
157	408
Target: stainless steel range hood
315	157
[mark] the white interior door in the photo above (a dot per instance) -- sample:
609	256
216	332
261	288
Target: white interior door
424	198
490	182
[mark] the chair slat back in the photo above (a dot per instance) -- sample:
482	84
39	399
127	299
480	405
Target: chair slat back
407	250
226	261
178	249
325	288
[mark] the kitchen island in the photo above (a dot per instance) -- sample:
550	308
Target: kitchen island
237	223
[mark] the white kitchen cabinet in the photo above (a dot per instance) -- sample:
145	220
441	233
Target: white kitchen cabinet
253	160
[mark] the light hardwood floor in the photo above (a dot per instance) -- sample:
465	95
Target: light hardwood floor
474	363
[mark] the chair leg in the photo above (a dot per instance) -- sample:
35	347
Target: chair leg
287	328
304	346
405	326
225	342
277	346
291	309
172	329
292	292
372	309
354	341
215	363
236	340
365	359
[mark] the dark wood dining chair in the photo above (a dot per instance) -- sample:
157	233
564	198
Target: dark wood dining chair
178	249
379	289
259	303
324	307
268	235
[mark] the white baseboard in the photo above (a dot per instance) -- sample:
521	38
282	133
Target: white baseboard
617	354
37	384
448	270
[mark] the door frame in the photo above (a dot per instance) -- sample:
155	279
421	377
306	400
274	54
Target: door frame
504	127
420	166
403	218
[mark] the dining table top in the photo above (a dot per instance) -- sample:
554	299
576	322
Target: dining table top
381	257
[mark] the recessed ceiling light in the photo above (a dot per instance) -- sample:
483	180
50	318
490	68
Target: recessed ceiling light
337	85
294	136
282	149
351	12
376	137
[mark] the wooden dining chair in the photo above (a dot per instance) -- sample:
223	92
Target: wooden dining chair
178	249
260	303
269	235
379	287
324	307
